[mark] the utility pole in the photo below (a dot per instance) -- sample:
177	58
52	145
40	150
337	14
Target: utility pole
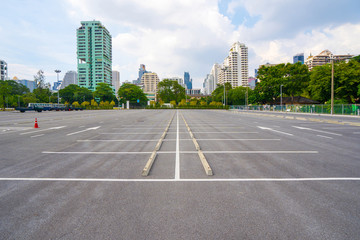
281	97
57	72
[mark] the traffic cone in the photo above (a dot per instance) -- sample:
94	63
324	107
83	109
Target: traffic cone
36	124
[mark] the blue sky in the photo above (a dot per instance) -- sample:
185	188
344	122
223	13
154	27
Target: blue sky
171	37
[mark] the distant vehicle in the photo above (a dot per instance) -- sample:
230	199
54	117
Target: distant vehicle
39	107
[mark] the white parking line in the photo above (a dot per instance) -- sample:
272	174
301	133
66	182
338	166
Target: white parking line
186	152
315	130
93	128
243	139
324	136
41	130
37	135
183	180
270	129
117	140
177	157
225	132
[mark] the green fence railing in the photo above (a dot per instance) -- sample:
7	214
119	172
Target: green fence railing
342	109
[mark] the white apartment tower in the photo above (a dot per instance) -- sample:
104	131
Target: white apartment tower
235	68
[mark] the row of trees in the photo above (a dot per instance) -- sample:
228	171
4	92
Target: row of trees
296	80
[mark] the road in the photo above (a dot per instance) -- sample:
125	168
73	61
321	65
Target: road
79	176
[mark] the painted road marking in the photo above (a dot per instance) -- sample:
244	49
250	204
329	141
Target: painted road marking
224	132
46	129
315	130
183	180
324	136
177	156
37	135
270	129
242	139
187	152
117	140
88	129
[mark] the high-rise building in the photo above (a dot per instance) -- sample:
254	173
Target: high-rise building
3	70
299	58
208	85
235	68
323	58
150	82
94	54
70	77
179	80
187	80
116	81
31	85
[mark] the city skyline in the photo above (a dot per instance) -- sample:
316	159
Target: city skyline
171	38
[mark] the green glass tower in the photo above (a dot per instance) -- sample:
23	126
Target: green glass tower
94	54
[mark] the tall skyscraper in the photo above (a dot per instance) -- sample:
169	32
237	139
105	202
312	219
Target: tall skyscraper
299	58
3	70
69	78
94	54
187	80
235	68
116	81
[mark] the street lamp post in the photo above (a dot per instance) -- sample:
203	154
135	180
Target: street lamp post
281	97
57	72
332	85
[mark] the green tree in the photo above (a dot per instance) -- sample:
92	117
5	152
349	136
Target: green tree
169	90
5	91
29	98
42	94
67	94
218	93
131	92
296	79
104	92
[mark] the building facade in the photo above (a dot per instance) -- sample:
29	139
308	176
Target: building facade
323	58
149	81
208	85
3	70
94	54
235	68
116	81
187	80
299	58
71	77
31	85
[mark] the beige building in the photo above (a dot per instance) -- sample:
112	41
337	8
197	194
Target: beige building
235	68
323	58
149	81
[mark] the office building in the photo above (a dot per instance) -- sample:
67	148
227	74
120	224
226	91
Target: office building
116	81
323	58
234	69
187	80
299	58
31	85
149	82
3	70
94	54
208	85
179	80
69	78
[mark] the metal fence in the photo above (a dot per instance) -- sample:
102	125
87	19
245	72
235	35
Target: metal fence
343	109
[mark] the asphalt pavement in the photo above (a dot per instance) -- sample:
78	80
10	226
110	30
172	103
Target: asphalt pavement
213	174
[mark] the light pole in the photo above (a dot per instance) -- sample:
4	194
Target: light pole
332	84
281	97
57	72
